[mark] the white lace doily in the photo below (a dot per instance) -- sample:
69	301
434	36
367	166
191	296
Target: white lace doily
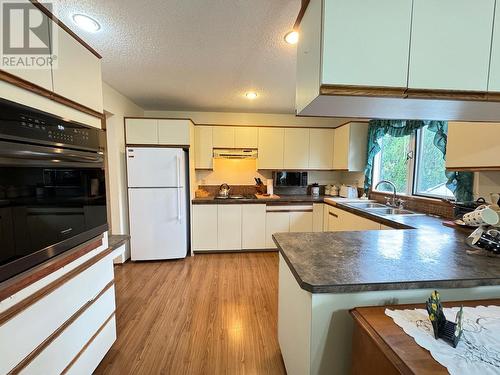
478	351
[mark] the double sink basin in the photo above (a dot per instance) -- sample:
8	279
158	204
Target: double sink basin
382	210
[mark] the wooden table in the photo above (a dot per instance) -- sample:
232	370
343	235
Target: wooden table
380	346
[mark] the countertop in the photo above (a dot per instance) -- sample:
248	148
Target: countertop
283	199
425	254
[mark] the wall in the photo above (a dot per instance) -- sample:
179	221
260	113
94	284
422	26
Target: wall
486	183
116	107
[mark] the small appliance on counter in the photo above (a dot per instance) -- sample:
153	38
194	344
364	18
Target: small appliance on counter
348	191
224	190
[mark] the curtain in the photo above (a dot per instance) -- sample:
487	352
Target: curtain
459	183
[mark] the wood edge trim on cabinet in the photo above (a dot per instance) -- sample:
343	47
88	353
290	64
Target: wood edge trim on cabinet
87	344
303	7
447	94
45	343
63	26
386	349
289	211
350	90
493	96
473	168
22	305
26	85
19	282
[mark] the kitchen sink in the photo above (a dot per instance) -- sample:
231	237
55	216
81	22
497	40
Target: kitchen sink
367	205
391	211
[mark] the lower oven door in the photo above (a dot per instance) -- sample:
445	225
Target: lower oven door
51	199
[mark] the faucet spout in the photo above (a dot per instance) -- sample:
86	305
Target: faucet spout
391	184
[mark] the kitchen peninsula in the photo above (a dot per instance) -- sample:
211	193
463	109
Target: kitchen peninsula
323	275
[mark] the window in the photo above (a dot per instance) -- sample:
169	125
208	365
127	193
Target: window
413	164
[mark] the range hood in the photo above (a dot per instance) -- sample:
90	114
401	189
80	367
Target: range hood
235	153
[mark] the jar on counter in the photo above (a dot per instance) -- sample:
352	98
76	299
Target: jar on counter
315	190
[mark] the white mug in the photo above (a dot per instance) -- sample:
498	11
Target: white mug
482	215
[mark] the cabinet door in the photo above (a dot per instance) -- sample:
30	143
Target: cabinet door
352	222
318	217
301	221
494	83
229	227
245	137
253	226
366	43
341	148
41	76
173	132
203	154
450	44
205	227
334	224
141	131
296	154
276	222
472	145
78	73
321	148
223	137
271	148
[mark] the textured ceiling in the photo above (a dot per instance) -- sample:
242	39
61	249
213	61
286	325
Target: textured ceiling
194	54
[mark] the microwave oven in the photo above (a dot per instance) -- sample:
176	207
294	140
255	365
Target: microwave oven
290	179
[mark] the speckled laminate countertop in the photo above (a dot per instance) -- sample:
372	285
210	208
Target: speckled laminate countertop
429	255
283	199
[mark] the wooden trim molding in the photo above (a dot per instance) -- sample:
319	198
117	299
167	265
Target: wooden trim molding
45	343
447	95
88	343
19	282
13	311
473	168
303	7
351	90
26	85
58	22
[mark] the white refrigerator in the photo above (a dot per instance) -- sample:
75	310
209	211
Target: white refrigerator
157	202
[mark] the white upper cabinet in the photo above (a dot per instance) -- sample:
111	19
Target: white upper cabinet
494	83
173	132
349	149
296	154
271	142
78	73
203	153
366	43
141	131
321	148
40	77
223	137
450	44
246	137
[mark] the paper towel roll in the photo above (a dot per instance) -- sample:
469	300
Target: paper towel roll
269	184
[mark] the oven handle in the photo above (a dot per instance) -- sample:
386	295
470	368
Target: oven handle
15	152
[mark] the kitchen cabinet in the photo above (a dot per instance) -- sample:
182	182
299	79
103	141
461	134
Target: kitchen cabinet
223	137
203	144
246	137
276	222
321	148
340	220
365	43
473	146
253	226
318	217
173	132
205	227
450	44
494	78
349	147
296	149
78	73
271	147
301	221
141	131
229	227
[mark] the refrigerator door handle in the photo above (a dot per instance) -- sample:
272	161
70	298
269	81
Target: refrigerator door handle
179	216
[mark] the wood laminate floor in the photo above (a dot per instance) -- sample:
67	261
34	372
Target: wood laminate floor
208	314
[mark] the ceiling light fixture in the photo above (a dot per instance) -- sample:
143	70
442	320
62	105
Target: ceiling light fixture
86	23
292	37
251	95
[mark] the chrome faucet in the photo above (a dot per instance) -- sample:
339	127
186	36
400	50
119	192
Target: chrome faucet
394	201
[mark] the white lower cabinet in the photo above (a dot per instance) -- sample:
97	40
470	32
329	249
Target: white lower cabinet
253	226
276	222
318	217
229	227
301	221
336	220
205	227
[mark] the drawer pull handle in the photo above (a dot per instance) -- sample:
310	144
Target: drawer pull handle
332	214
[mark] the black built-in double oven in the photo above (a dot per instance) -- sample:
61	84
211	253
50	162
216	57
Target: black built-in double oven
52	187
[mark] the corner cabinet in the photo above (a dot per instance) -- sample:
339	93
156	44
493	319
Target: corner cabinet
78	73
350	147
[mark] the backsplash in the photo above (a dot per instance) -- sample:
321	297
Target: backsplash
423	205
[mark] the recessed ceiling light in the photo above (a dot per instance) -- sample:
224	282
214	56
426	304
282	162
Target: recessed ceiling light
292	37
86	23
251	95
